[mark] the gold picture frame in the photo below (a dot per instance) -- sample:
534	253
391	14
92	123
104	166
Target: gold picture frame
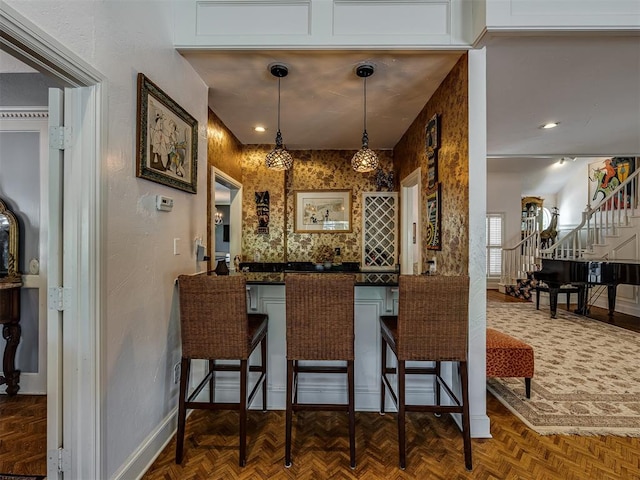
167	139
322	211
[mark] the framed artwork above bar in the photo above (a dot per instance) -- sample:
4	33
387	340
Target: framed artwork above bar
322	211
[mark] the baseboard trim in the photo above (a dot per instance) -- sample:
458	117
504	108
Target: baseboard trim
141	460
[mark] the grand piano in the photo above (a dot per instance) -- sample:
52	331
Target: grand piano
583	274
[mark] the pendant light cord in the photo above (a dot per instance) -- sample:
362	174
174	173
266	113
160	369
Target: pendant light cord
365	104
278	104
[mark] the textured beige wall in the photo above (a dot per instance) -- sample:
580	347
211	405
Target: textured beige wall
312	170
451	102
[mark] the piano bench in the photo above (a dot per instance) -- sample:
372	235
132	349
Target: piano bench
566	289
509	357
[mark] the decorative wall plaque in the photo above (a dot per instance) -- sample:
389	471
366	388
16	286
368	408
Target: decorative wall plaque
262	211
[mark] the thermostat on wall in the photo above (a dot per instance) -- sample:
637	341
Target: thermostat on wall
164	203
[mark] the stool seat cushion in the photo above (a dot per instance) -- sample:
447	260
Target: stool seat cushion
507	356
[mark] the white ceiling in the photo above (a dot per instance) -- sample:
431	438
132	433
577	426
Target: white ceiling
590	84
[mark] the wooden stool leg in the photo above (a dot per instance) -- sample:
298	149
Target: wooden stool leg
289	415
212	381
527	387
537	299
466	427
402	447
243	413
182	409
263	371
352	414
383	362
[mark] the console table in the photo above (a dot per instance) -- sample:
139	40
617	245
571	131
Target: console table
10	320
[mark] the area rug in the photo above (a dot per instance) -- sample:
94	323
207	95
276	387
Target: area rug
587	375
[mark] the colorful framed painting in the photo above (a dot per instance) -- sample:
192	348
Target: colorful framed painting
322	211
606	176
167	139
433	238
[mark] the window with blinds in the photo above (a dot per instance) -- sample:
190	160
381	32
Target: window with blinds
495	239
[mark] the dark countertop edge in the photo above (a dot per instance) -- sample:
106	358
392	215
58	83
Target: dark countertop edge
270	278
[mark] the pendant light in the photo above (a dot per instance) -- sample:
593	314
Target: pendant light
365	160
279	158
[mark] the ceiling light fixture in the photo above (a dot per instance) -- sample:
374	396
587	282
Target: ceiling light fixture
279	158
547	126
218	218
365	160
260	129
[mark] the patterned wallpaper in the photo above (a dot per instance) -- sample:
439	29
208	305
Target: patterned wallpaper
312	170
256	177
451	102
329	170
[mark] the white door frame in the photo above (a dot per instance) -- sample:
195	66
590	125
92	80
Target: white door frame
74	392
235	212
407	217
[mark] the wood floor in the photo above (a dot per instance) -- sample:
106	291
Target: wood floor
320	446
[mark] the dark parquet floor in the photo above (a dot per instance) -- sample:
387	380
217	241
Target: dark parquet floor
320	448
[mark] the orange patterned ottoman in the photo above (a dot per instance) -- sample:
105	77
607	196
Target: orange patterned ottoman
509	357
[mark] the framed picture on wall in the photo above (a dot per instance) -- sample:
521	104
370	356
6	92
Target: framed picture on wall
606	176
167	139
322	211
432	144
433	239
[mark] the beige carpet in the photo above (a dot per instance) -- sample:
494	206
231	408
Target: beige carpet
587	373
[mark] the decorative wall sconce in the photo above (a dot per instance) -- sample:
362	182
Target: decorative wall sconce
218	218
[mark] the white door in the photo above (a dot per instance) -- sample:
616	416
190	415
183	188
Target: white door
54	280
411	237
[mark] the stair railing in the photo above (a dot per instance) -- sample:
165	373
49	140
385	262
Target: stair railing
520	259
607	218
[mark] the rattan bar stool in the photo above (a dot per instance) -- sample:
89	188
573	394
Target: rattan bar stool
320	327
431	325
215	326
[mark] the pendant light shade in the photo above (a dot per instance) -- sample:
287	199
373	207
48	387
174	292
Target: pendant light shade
279	158
365	159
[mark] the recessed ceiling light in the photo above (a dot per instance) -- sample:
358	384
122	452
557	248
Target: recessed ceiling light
550	125
260	129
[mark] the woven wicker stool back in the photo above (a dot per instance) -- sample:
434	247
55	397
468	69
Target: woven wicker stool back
319	316
213	316
433	317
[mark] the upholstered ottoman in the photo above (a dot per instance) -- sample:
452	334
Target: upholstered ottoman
509	357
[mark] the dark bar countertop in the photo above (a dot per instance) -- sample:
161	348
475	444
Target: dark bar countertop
275	273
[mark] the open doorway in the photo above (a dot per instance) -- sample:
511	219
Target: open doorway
225	214
410	225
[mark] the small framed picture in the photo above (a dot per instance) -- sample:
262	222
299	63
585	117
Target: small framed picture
433	132
167	139
322	211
